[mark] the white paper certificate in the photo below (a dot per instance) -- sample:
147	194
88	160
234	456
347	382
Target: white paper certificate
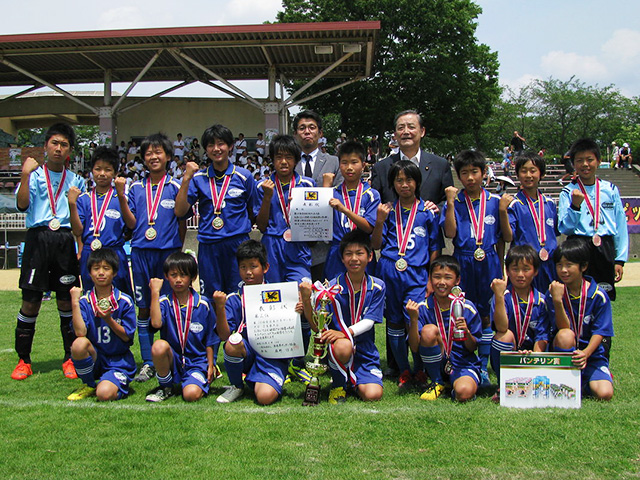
310	215
273	326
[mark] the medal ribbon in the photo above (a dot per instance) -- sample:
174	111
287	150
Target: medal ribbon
284	205
538	218
154	202
183	328
522	325
356	203
403	235
93	299
576	323
477	222
594	211
98	217
216	198
53	199
447	338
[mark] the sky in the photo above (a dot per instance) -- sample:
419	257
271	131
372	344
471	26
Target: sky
598	42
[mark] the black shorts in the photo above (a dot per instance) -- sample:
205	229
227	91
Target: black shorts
602	263
49	261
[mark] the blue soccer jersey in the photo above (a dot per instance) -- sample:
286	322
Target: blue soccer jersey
112	226
538	328
200	334
39	212
368	209
166	222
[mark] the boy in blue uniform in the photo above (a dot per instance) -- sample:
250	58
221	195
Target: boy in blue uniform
411	239
149	212
265	376
96	218
518	311
472	219
104	320
357	307
531	218
582	313
355	205
49	260
184	353
433	326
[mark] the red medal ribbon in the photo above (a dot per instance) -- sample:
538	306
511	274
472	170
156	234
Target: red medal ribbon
477	222
447	338
594	211
154	201
356	312
284	205
93	299
216	198
356	203
183	328
53	199
403	235
98	217
576	323
522	325
538	218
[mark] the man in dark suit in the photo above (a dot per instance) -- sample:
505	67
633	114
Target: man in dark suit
436	176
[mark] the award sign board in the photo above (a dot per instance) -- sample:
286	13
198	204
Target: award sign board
539	380
273	326
310	215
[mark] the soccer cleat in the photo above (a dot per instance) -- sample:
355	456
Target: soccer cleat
160	394
433	392
287	379
496	397
484	379
337	396
85	391
22	371
147	372
405	381
299	373
69	370
216	372
421	380
231	394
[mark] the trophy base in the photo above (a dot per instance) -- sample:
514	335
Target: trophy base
312	394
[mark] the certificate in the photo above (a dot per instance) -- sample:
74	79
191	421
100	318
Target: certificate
310	215
273	326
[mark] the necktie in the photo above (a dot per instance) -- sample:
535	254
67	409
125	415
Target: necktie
307	167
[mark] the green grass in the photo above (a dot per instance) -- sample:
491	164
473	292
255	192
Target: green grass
44	436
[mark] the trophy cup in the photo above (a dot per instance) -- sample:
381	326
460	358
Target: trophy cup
457	310
321	317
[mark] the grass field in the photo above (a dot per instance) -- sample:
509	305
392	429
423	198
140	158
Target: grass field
46	437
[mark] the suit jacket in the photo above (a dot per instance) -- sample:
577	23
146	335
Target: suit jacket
436	176
324	163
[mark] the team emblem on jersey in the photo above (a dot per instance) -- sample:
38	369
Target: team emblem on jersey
311	195
196	327
420	231
550	222
271	296
67	279
168	203
489	219
112	214
234	192
587	319
121	377
198	376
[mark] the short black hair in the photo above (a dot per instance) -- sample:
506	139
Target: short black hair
183	262
157	140
106	154
520	253
355	237
284	144
445	261
307	114
584	145
351	146
410	111
410	170
104	255
534	158
252	249
219	132
574	249
469	157
63	129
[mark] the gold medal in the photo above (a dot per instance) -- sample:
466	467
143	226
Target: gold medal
479	254
448	368
96	245
235	338
54	224
401	264
104	304
543	254
217	223
597	240
150	234
287	235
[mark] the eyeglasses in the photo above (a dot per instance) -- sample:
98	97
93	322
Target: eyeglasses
312	127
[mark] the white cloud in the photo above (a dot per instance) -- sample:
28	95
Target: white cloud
623	46
561	64
119	17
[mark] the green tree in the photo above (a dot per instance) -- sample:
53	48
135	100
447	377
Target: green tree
427	58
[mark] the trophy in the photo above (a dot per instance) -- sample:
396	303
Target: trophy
457	310
321	317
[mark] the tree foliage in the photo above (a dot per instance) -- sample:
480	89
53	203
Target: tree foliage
428	58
